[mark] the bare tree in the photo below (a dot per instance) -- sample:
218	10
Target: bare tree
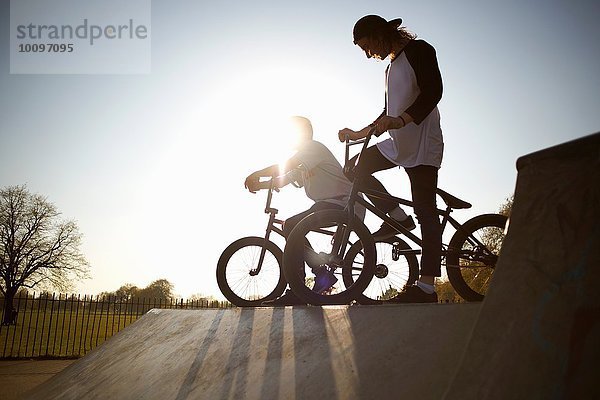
36	246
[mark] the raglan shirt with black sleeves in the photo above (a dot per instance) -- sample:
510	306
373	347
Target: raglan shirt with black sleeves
414	86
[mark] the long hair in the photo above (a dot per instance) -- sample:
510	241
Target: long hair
396	34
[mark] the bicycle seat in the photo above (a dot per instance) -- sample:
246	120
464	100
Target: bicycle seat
451	201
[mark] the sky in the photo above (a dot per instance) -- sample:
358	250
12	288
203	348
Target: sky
151	166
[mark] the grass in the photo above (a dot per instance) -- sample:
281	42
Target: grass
63	333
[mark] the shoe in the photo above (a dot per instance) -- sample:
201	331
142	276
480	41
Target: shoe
324	279
414	294
314	260
387	231
288	299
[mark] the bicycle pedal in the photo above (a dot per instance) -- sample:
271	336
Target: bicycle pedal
396	251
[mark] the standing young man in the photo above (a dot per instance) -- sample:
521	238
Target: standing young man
413	90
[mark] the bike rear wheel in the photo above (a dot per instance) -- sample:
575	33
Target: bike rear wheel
237	274
320	230
392	272
473	253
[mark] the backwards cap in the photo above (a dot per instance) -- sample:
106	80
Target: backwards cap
372	25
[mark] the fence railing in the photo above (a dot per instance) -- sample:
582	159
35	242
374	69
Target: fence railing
70	326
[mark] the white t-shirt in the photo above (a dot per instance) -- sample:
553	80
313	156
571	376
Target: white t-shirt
407	77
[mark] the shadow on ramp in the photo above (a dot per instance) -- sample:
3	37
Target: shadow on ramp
273	353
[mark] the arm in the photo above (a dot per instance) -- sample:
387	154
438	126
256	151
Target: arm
280	175
357	135
422	58
253	182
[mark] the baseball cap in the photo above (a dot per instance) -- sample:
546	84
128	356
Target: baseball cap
371	25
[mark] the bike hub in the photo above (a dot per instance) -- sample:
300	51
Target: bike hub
381	271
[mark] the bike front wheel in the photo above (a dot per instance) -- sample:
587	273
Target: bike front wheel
473	253
313	251
241	280
395	267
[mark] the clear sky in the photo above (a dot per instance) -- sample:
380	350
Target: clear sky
152	166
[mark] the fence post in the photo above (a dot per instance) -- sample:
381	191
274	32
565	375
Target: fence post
43	322
107	318
81	334
69	328
29	326
22	325
87	325
49	323
56	327
93	319
76	323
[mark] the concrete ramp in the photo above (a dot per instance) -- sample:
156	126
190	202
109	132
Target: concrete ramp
358	352
538	335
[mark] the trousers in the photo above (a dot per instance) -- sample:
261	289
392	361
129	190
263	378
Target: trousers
423	186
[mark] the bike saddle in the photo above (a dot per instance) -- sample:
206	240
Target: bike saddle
451	201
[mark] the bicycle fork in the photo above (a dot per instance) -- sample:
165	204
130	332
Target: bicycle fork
263	250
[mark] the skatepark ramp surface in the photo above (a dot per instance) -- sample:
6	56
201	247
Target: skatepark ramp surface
335	352
535	336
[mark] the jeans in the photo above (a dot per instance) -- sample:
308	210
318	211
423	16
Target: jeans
310	257
292	221
423	185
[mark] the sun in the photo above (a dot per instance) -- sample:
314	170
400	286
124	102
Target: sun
194	197
254	110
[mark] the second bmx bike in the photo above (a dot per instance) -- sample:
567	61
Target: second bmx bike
353	257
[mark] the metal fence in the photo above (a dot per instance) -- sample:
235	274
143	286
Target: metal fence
70	326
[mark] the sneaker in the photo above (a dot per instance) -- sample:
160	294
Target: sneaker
314	260
414	294
387	231
324	279
288	299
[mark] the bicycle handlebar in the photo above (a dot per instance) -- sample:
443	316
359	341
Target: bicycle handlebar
364	141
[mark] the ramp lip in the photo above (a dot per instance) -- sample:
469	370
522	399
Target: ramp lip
586	145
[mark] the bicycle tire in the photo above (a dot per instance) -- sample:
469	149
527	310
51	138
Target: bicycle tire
390	276
469	267
294	264
236	282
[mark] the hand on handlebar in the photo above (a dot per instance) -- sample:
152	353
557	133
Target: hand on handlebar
346	132
252	183
355	135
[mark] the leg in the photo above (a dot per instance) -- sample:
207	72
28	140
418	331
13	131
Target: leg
423	182
312	259
371	161
292	221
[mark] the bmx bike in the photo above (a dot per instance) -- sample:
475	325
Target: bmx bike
249	270
353	256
